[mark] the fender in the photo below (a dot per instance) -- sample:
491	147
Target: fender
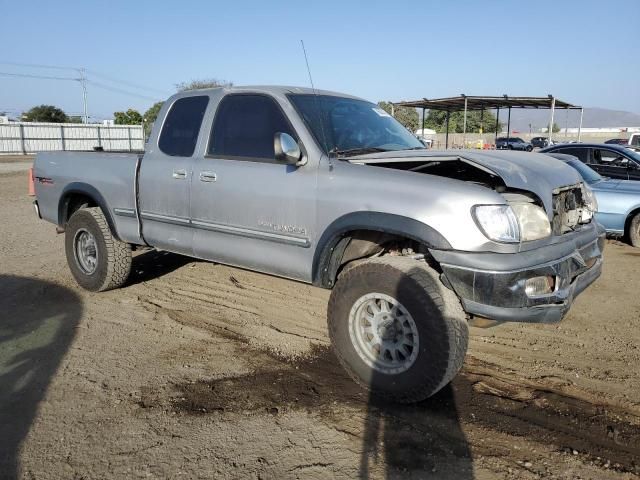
332	242
91	192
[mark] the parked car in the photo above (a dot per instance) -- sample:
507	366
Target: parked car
614	161
540	142
633	140
331	190
513	143
618	200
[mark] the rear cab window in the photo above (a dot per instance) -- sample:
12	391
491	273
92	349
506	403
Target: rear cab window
181	127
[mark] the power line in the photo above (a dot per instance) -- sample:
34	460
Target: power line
83	80
79	69
36	65
45	77
119	90
124	82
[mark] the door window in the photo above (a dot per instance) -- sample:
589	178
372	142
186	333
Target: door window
245	126
182	126
581	153
609	158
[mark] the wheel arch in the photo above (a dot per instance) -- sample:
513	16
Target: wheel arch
77	192
336	238
632	213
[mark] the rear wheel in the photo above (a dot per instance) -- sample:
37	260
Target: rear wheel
634	230
396	329
97	260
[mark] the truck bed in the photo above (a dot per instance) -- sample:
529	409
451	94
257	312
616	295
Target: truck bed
109	175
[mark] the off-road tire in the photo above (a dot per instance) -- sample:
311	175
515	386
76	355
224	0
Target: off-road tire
113	256
439	317
634	230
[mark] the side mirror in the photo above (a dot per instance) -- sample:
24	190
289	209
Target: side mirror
286	149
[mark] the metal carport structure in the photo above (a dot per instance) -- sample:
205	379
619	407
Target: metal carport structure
473	103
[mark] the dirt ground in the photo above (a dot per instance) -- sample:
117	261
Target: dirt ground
198	370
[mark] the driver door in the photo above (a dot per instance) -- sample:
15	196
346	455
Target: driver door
247	209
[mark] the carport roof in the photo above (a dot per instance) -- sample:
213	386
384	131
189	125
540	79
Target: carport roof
453	104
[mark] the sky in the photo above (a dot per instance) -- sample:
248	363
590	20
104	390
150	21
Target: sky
584	52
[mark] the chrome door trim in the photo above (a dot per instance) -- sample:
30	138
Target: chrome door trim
230	229
250	233
165	218
125	212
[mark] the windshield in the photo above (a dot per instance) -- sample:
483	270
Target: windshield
350	126
589	175
633	154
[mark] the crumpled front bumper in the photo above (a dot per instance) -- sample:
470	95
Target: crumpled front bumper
492	285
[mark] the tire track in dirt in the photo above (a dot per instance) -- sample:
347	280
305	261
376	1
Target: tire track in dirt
233	304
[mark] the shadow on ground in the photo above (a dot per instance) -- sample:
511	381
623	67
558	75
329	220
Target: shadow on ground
38	321
152	264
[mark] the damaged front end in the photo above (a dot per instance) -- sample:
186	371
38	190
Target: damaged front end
544	246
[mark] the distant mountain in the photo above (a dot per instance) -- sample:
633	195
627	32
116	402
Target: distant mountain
593	117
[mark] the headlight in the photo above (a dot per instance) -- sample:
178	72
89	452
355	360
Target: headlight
518	221
497	222
533	221
591	204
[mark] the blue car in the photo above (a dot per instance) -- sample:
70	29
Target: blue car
618	200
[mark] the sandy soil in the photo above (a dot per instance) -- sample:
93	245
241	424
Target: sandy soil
197	370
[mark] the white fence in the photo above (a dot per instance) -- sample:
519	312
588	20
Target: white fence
28	137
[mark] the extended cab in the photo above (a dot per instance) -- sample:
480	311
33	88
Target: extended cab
329	189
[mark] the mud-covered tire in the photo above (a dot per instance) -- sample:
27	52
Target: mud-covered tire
437	314
634	230
112	257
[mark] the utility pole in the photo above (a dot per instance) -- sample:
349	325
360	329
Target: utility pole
553	108
83	83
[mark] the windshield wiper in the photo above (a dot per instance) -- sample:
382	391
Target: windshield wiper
358	151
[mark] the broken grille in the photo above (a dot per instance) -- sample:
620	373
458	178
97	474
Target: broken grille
568	204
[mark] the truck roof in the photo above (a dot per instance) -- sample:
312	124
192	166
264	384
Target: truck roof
267	89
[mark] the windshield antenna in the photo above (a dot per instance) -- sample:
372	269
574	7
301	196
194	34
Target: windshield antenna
315	94
304	51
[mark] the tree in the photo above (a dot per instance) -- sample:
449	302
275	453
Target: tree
130	117
437	120
150	116
75	119
555	128
406	116
204	83
45	113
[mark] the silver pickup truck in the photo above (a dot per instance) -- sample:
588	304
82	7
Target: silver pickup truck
329	189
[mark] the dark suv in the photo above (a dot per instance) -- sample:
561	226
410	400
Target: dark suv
540	142
609	160
513	143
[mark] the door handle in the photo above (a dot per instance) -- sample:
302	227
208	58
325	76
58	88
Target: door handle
179	174
208	177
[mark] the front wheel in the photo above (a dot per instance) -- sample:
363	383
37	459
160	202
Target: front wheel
396	329
97	260
529	148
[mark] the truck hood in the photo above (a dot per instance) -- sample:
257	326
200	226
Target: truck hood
532	172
